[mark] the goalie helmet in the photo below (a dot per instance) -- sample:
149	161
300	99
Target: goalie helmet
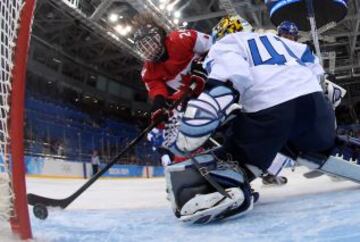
230	24
149	41
288	30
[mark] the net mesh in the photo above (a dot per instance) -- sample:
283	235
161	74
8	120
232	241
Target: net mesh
9	19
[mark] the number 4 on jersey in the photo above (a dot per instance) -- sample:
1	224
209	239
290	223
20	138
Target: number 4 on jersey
275	57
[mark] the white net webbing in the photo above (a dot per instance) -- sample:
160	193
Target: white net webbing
9	22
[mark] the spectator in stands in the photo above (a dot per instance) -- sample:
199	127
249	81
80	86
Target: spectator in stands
60	149
95	161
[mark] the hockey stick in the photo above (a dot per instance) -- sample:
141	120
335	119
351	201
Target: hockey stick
34	199
313	174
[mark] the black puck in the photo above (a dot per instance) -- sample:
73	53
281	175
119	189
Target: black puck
40	211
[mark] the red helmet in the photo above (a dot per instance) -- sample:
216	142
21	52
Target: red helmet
149	41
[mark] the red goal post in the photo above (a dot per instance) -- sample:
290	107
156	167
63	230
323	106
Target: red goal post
15	28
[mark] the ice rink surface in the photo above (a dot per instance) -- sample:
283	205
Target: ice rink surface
129	210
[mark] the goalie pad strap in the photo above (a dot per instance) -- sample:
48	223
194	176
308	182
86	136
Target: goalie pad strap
203	170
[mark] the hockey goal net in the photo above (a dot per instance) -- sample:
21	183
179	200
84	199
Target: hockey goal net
15	26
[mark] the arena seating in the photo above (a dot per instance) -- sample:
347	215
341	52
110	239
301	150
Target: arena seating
61	129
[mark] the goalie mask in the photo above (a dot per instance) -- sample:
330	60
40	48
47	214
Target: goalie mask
230	24
149	41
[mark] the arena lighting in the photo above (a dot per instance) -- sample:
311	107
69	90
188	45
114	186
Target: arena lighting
113	35
185	24
177	14
170	7
176	21
162	6
122	30
113	17
56	60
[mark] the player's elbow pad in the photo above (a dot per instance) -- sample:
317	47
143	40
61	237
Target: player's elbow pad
203	115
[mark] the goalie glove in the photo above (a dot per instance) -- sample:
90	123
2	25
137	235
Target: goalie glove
333	92
203	116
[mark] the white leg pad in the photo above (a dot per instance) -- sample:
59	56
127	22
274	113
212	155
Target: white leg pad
204	208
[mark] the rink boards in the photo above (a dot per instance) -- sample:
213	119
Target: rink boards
59	168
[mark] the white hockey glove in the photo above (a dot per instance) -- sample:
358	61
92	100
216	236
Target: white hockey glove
333	92
166	136
202	116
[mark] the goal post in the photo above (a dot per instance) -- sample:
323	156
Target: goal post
15	29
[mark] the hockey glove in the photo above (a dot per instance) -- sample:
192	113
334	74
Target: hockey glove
159	110
334	93
203	116
197	69
198	76
197	85
156	138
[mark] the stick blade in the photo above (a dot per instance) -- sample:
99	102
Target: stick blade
34	199
313	174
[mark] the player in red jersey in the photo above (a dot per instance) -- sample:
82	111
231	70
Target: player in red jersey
172	61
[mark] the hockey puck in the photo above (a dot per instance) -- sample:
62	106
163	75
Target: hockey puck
40	211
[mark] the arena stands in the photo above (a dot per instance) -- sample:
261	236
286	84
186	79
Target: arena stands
63	130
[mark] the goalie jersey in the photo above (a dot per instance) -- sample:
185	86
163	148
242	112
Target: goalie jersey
267	70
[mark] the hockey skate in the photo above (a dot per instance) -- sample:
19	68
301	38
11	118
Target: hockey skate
272	180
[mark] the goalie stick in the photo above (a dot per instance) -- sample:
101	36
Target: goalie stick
34	199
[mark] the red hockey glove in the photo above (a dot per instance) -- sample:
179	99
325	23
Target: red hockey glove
197	68
159	110
197	84
198	76
160	114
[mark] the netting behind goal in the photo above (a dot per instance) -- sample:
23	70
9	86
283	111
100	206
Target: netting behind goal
15	25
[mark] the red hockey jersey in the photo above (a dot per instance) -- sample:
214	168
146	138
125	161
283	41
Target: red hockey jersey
165	78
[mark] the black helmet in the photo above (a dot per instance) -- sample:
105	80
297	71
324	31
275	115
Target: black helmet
149	41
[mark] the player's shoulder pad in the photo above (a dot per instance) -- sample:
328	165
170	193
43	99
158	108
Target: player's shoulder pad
298	48
229	43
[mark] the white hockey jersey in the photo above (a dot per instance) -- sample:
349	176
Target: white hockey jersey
267	70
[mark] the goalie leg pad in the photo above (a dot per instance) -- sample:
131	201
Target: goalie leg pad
194	200
206	208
